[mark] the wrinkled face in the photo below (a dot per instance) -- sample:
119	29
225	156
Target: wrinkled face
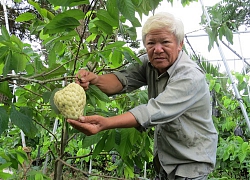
162	48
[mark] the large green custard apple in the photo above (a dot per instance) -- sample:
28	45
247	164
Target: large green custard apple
70	101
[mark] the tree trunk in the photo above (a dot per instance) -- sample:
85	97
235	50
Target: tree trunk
59	165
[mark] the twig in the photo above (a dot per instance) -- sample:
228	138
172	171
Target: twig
89	174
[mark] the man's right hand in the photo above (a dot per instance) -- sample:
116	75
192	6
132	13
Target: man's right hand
84	78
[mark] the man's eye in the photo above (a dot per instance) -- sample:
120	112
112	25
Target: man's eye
150	43
165	42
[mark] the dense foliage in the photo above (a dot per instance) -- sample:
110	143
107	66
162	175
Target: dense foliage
94	35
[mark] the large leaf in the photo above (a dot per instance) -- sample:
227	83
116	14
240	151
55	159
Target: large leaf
68	2
110	142
116	58
103	26
5	33
55	70
18	62
4	119
106	17
125	144
51	99
87	141
25	17
61	24
95	91
7	61
23	121
100	145
4	175
115	45
5	89
43	12
113	9
126	8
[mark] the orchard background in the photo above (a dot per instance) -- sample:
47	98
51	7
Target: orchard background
100	35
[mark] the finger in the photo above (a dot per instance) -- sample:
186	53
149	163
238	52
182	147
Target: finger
82	127
81	119
84	85
81	73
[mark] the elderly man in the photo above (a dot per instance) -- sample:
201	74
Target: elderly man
185	139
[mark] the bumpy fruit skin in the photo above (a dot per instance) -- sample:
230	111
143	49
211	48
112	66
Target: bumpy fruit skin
71	101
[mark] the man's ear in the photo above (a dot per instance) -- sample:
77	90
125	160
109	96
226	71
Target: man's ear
181	45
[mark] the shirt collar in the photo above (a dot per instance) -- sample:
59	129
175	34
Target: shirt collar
171	69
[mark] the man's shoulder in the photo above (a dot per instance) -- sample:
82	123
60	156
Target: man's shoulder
188	63
144	58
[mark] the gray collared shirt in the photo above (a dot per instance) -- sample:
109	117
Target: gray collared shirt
179	108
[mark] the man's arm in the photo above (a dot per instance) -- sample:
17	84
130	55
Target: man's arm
90	125
107	83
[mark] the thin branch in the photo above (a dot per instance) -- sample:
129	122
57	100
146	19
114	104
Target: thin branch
46	129
31	79
89	174
72	167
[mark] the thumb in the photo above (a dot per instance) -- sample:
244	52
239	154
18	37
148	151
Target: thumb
82	119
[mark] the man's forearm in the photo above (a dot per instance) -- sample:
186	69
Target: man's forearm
109	84
126	120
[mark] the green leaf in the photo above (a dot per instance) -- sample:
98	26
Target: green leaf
46	96
75	13
132	33
127	9
110	142
128	53
4	175
135	22
217	87
115	45
5	165
4	119
23	121
68	2
90	99
38	176
94	90
59	48
104	16
25	17
43	12
51	100
113	9
100	145
53	71
87	141
61	24
5	89
129	172
3	51
17	41
229	34
52	57
125	143
116	58
212	37
103	26
21	156
18	62
5	33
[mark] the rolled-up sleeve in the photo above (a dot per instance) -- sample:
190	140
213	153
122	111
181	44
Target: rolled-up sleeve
133	77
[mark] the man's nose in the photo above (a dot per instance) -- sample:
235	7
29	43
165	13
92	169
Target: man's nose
158	48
